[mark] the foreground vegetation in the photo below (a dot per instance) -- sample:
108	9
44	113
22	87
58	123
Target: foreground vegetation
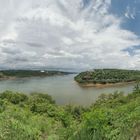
28	73
108	76
37	117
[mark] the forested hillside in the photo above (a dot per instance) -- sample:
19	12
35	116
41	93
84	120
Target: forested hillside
105	76
28	73
37	117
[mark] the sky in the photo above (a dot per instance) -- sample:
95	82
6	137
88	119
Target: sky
69	34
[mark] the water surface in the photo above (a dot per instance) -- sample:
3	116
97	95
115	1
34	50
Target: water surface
62	88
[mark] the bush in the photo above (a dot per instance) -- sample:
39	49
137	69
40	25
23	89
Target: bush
13	97
36	117
40	96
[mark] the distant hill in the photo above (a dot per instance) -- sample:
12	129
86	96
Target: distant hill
28	73
107	76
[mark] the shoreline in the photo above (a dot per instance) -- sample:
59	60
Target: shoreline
104	85
14	77
7	78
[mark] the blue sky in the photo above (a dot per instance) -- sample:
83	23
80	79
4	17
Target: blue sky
70	34
129	10
119	7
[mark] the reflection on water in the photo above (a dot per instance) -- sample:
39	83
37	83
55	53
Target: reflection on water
62	88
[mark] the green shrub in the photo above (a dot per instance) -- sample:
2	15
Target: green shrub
43	97
13	97
36	117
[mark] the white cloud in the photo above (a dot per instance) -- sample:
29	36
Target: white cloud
64	34
130	13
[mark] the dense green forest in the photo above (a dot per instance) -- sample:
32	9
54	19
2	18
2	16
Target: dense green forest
104	76
29	73
37	117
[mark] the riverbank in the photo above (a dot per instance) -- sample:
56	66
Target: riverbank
62	88
37	116
105	85
7	78
107	77
15	74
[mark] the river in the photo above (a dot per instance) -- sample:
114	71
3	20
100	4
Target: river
62	88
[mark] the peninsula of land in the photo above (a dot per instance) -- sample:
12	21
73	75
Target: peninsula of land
107	77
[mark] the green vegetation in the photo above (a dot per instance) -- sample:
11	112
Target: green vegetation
28	73
108	76
37	117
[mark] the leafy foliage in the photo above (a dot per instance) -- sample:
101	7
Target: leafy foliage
37	117
13	97
104	76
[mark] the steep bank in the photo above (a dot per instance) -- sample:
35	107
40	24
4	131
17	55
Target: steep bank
36	116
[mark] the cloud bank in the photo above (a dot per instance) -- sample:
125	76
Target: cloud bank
78	34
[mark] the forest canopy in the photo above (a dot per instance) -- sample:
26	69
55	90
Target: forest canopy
29	73
105	76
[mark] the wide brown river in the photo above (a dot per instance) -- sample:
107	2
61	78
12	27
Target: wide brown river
62	88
